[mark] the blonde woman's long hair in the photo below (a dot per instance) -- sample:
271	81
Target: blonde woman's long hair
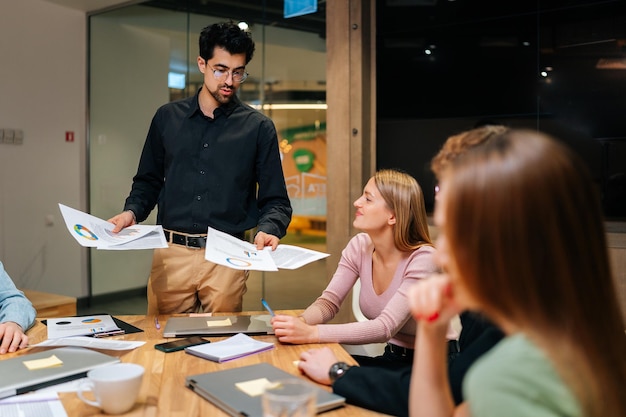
524	224
404	197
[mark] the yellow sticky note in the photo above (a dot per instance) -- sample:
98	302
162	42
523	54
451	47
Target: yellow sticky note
219	323
50	362
254	387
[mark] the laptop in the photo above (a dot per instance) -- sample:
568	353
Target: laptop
218	325
17	378
219	388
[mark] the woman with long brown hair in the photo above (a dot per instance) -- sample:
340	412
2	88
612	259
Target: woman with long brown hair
522	240
393	251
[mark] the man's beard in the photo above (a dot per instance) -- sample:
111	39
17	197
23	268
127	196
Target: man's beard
219	97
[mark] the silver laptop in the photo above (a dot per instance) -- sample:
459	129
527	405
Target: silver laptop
219	388
76	362
218	325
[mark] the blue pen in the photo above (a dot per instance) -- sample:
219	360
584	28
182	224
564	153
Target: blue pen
267	306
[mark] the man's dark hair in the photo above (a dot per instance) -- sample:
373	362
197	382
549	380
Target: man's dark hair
225	35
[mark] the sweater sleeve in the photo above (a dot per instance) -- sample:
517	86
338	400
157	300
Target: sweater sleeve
327	305
395	314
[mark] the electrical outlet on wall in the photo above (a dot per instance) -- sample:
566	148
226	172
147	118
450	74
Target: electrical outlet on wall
12	136
8	135
18	137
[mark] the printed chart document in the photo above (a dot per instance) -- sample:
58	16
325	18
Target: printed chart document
80	326
93	232
224	249
41	405
234	347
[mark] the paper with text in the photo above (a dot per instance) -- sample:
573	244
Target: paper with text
80	326
36	404
224	249
90	231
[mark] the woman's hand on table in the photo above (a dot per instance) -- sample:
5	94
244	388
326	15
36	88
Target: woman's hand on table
292	329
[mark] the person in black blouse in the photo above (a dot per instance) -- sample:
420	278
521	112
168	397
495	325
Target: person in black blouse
208	160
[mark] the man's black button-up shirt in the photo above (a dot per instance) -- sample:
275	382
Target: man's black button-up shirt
223	172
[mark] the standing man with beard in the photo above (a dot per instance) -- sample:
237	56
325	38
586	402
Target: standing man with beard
208	160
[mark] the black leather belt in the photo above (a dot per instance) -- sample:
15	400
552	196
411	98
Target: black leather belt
399	350
194	242
453	348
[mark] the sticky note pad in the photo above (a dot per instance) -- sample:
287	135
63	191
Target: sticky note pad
254	387
50	362
219	323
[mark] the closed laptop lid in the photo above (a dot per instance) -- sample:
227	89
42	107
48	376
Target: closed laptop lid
219	388
17	378
217	325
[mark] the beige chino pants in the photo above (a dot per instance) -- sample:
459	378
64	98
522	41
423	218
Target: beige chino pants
183	281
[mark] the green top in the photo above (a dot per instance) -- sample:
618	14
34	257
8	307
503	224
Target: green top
517	379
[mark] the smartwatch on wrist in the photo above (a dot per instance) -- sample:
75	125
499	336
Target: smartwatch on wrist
337	370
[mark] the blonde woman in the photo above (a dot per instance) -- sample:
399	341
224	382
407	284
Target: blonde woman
393	252
522	240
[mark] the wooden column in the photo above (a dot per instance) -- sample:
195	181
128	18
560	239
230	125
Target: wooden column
351	118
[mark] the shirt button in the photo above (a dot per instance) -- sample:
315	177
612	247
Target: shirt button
206	145
201	172
195	225
198	198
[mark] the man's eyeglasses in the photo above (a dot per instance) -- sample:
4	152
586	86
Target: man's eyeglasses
239	75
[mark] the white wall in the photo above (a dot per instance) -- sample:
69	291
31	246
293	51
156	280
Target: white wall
43	93
129	67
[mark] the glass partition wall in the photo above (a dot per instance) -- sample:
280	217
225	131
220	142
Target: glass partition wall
143	56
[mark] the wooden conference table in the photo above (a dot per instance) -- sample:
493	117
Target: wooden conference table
163	392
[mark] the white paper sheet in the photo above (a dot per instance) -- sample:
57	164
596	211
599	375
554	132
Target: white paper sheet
80	326
91	342
90	231
45	404
224	249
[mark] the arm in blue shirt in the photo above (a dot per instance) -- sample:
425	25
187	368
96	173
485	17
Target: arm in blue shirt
14	306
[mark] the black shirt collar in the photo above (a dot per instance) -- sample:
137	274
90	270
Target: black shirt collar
226	109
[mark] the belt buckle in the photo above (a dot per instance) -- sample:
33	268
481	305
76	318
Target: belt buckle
397	350
188	246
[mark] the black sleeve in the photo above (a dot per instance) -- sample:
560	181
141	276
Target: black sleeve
477	337
376	388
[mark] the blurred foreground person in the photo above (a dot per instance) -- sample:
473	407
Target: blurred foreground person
522	240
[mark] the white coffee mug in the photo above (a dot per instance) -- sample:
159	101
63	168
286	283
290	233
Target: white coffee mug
115	387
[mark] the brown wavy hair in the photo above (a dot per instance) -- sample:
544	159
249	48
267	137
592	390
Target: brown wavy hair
457	145
524	224
404	197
